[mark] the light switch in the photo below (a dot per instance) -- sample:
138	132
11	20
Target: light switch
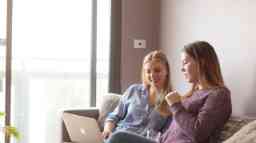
139	43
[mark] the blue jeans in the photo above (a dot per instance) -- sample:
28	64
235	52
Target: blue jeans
127	137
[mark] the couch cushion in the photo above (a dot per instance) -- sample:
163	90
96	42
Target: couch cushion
247	134
108	104
233	125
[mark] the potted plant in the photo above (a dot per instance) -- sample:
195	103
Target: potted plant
9	130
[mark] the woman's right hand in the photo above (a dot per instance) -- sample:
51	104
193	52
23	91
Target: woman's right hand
106	134
107	131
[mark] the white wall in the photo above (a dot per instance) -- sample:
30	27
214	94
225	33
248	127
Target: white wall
229	25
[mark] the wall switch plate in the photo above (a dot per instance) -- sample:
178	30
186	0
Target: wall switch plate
139	43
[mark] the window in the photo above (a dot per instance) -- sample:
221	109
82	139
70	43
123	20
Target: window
51	61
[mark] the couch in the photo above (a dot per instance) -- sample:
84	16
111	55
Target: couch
110	101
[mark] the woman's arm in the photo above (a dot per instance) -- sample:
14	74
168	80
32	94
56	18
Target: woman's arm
121	109
118	114
213	114
107	131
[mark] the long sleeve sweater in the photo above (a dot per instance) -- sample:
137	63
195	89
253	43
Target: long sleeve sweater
196	118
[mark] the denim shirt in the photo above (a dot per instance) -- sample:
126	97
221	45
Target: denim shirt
135	114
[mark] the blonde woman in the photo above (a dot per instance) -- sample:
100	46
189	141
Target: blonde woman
142	109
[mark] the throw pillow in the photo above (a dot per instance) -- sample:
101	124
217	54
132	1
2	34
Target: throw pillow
233	125
246	134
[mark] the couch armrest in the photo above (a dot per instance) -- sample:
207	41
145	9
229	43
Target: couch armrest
89	112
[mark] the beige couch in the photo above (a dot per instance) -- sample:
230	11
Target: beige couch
110	101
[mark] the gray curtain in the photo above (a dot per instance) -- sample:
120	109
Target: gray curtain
115	47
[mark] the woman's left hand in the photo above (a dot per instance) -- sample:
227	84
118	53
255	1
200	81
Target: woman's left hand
173	97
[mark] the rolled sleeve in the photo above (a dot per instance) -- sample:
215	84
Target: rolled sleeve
117	114
121	109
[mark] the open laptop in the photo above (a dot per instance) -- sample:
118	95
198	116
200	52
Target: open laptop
82	129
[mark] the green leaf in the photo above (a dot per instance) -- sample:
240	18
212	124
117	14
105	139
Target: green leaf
12	131
2	114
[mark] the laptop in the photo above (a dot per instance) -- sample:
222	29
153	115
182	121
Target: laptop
82	129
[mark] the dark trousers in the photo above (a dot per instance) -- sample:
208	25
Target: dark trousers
128	137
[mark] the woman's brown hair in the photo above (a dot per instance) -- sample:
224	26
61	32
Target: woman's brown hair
209	68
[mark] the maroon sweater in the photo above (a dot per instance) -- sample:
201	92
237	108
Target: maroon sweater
198	117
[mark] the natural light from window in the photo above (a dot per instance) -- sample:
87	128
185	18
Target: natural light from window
51	63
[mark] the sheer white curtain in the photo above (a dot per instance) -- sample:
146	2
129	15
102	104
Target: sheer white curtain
3	13
103	47
51	63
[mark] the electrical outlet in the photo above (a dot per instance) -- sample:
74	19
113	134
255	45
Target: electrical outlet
139	43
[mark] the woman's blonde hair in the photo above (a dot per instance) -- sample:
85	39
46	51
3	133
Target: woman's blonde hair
158	56
206	58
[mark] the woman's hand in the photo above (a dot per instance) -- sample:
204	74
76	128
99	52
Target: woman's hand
107	131
172	97
106	134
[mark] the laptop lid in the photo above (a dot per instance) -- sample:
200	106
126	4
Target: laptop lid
82	129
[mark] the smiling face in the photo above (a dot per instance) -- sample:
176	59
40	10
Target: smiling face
189	68
155	73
